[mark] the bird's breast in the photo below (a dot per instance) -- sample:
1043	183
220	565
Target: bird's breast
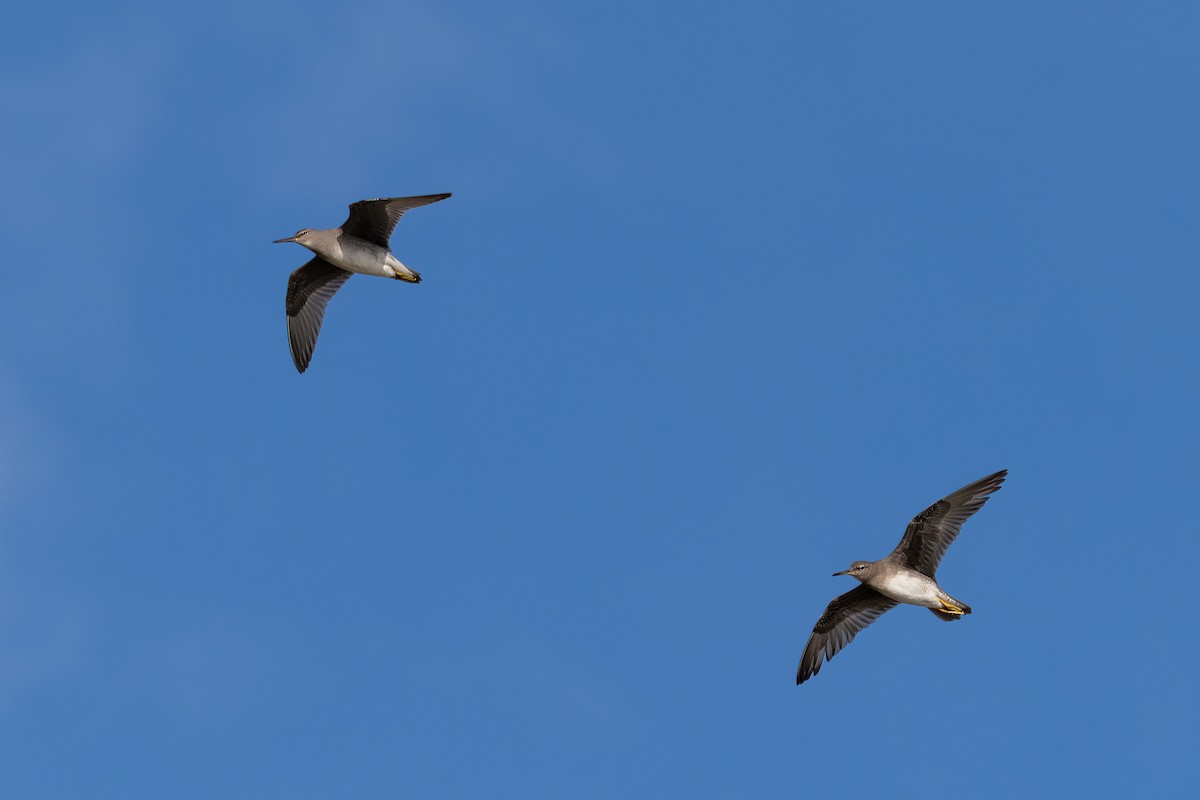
356	255
910	587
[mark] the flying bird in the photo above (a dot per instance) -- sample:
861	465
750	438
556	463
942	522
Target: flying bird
907	575
360	245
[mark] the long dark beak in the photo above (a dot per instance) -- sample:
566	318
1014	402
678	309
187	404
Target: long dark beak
281	241
843	572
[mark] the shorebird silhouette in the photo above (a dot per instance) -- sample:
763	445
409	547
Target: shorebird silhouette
360	245
907	575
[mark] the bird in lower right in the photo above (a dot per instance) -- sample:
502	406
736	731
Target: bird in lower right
907	575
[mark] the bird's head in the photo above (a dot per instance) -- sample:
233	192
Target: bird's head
302	237
858	569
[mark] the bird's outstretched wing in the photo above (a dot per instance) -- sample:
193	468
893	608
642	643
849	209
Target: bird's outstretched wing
933	530
374	220
837	627
308	292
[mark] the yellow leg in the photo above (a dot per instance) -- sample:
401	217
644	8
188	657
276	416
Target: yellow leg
950	608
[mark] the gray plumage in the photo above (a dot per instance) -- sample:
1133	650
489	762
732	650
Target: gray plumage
907	575
359	245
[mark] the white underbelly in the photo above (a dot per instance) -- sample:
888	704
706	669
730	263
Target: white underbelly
914	588
364	261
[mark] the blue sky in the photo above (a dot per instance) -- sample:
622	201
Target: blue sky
723	297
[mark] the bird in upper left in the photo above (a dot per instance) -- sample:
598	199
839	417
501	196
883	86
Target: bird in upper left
359	245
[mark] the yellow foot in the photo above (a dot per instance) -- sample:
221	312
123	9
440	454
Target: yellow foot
950	608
